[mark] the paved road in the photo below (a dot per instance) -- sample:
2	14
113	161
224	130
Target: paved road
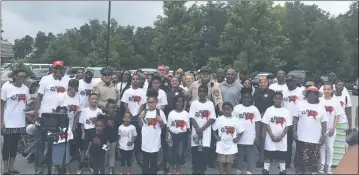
25	168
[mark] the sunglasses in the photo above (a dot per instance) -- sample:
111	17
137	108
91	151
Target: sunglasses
161	69
180	73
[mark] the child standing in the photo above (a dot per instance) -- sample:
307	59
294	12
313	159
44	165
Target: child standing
202	114
277	121
178	124
126	137
250	117
230	130
151	121
87	119
97	148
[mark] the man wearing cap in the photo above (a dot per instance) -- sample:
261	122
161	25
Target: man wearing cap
291	97
280	85
51	86
105	89
220	74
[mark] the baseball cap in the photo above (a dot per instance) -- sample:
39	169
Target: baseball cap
58	63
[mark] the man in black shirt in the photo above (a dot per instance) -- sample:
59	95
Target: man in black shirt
165	82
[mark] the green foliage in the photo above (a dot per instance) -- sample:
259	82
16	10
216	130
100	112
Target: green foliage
245	35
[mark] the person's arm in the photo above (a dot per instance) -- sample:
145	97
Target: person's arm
125	105
209	123
2	112
194	124
218	98
83	131
88	149
336	120
141	118
37	104
76	119
348	113
295	124
285	131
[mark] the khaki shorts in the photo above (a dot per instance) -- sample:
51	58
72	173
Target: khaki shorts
221	158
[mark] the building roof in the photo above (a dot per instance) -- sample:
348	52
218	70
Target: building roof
6	49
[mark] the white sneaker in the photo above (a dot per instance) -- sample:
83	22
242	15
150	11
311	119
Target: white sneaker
239	172
79	171
248	172
321	170
329	170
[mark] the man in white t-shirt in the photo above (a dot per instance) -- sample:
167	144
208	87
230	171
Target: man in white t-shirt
162	97
51	86
281	84
85	88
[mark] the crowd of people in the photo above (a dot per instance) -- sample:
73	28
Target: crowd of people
221	116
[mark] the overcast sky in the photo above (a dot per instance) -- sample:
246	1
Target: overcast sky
28	17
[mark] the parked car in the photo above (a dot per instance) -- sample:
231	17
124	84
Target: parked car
255	79
39	73
302	75
30	82
324	78
355	88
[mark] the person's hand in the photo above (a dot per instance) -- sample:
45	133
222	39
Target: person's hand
295	136
36	114
129	143
107	146
236	140
158	118
88	154
218	138
257	141
274	138
83	136
143	114
279	138
199	132
331	132
322	139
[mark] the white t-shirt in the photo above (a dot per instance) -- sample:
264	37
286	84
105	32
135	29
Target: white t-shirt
201	113
126	134
85	90
178	122
311	117
134	98
72	104
151	132
277	119
332	108
278	87
228	128
344	102
162	99
51	89
291	98
248	116
344	92
15	103
88	116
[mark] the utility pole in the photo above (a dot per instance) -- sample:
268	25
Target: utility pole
108	32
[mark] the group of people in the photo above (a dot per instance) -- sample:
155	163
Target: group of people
221	117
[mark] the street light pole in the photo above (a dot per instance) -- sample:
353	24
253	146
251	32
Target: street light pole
108	32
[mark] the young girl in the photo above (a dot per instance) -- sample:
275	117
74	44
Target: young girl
334	111
151	121
178	124
126	137
71	102
230	130
87	119
202	114
277	121
98	145
250	117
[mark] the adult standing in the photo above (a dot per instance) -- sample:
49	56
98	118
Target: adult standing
231	90
124	80
85	88
189	80
263	99
280	85
51	86
345	122
14	98
165	82
80	73
309	128
105	89
291	97
179	73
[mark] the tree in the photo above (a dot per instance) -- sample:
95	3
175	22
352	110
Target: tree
23	47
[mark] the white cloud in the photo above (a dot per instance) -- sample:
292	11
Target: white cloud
27	18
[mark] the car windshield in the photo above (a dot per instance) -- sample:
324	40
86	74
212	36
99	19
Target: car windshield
260	75
297	74
40	72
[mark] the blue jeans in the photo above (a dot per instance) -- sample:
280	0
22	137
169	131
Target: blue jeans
177	151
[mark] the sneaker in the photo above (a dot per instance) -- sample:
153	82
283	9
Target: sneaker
248	172
111	171
91	169
283	172
239	172
329	170
79	171
321	169
265	171
178	173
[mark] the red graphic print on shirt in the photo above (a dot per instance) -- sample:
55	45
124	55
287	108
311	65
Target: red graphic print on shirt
329	109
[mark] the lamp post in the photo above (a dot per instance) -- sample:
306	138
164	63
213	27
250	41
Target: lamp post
108	32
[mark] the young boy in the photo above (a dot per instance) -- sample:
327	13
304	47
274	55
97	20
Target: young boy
202	114
126	137
97	148
230	130
87	119
277	120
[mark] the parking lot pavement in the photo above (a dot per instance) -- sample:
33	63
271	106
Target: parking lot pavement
25	168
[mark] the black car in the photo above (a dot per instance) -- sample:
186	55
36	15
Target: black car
355	88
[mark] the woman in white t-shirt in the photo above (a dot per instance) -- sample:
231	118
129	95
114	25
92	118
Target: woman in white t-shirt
178	124
151	122
14	98
309	128
334	112
250	118
230	130
277	120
